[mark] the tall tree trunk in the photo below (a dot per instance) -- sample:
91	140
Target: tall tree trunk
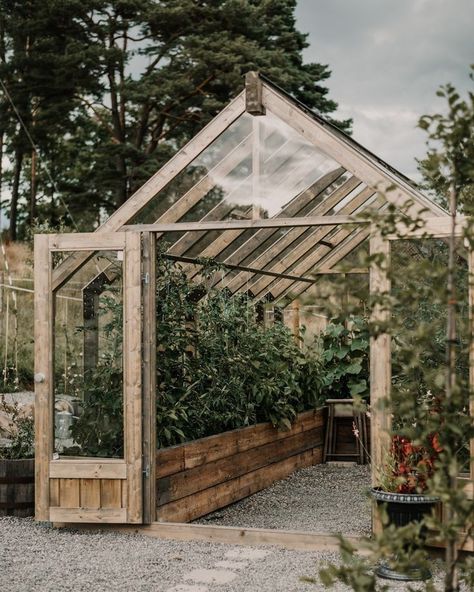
33	188
15	194
2	135
122	189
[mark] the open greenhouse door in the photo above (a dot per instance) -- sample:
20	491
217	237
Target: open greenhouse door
88	375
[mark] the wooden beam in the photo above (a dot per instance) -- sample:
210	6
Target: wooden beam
85	515
258	164
87	469
246	224
254	270
439	227
132	376
380	356
87	241
232	535
149	377
44	372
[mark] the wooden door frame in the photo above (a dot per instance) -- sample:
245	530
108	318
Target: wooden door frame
380	348
130	468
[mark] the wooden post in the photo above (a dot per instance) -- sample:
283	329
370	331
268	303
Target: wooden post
43	328
133	376
380	358
149	376
296	321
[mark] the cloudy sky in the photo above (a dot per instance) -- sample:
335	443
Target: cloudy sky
388	57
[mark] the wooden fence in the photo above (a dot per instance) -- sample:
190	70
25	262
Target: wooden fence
196	478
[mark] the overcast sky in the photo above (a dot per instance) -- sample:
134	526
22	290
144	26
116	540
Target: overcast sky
387	58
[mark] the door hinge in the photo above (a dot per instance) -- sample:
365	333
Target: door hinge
146	471
146	278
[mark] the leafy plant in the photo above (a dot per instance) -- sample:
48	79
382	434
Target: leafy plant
17	426
98	431
344	351
408	466
218	368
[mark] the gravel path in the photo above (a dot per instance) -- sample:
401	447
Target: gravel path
34	557
323	498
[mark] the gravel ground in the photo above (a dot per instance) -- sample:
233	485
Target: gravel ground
324	498
34	557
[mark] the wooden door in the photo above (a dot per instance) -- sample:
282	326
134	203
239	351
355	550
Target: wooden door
88	378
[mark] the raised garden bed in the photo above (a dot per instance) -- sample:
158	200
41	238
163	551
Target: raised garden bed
199	477
17	487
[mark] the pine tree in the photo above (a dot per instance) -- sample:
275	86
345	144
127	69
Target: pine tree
140	78
46	64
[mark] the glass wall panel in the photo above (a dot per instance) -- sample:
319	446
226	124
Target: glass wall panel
419	342
88	364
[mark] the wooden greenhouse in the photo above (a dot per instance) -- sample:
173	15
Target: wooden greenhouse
274	194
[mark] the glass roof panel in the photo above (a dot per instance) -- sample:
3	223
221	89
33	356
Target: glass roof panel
256	166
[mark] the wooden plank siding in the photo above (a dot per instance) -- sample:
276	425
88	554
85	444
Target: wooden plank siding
86	494
196	478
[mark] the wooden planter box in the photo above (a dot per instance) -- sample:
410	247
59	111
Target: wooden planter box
17	487
199	477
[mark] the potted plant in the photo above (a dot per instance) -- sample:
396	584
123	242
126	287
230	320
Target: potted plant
403	493
17	465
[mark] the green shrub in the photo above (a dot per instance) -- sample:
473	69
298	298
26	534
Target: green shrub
344	351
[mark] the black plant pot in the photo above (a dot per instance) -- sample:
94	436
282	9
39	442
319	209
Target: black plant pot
404	509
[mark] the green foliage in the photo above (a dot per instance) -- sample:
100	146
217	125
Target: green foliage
450	158
21	434
430	334
98	430
344	351
218	369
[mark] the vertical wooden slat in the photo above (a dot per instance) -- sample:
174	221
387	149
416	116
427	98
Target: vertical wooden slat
90	493
380	358
110	493
69	493
123	494
54	492
133	376
149	377
43	330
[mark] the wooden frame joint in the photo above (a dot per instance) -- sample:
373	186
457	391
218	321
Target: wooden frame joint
253	94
